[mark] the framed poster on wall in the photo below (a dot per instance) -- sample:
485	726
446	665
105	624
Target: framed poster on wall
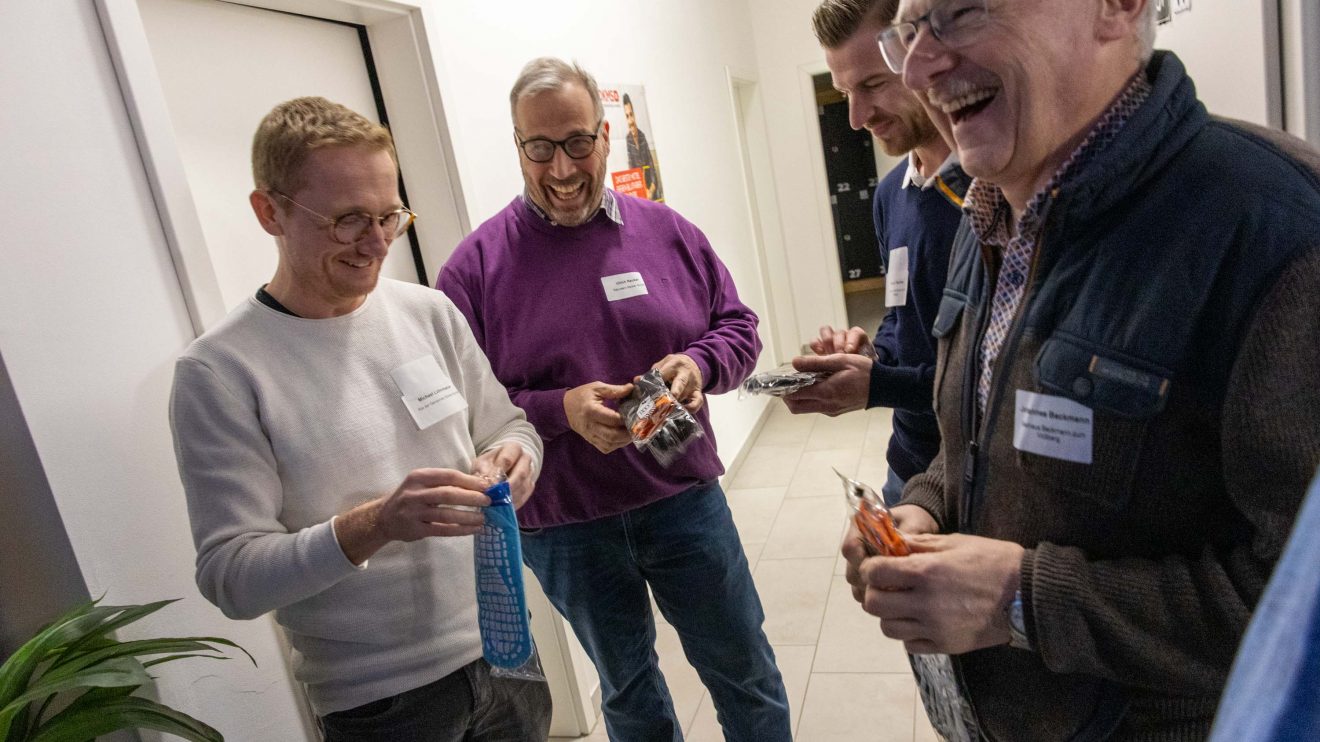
634	164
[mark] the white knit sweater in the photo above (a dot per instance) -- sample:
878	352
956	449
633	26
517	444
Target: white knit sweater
279	424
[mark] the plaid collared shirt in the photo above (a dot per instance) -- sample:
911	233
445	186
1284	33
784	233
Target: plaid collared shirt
608	204
988	212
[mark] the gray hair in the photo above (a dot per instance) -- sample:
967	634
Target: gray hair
1146	32
544	74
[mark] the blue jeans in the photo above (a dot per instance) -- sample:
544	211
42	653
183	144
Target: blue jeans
687	549
892	492
467	705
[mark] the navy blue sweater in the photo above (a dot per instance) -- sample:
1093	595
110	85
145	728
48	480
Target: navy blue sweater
925	222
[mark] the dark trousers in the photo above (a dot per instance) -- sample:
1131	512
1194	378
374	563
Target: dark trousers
467	705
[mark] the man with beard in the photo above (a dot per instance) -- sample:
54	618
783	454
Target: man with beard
573	291
917	209
1126	384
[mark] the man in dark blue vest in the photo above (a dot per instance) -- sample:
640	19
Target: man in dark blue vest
1126	383
917	210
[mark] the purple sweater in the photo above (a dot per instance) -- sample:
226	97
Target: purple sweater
533	293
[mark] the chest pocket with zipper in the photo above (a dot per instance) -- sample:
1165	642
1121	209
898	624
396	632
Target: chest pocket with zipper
1123	393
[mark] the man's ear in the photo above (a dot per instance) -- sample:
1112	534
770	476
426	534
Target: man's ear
1120	19
605	132
263	205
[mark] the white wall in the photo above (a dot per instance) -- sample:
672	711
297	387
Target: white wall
1223	44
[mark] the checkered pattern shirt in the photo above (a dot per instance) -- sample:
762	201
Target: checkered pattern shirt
607	204
988	212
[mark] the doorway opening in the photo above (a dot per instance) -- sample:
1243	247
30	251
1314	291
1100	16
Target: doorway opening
853	165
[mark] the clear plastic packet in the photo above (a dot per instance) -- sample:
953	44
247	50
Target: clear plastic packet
949	713
656	421
872	519
506	630
778	382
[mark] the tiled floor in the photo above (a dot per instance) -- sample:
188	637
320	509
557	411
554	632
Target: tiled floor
846	681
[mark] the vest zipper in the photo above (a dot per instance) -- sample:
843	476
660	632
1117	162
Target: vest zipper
982	430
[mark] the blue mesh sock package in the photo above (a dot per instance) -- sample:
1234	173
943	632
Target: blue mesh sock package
506	632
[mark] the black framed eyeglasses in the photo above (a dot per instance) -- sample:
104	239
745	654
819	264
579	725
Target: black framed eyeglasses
953	23
577	146
347	229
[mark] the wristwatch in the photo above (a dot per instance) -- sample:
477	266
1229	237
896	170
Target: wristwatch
1017	624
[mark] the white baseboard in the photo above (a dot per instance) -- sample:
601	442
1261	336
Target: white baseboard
731	471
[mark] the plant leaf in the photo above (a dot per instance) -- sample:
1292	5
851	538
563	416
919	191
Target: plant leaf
16	672
110	674
131	712
118	617
141	647
77	652
173	657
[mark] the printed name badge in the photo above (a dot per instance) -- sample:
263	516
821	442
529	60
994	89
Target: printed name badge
896	278
1056	427
428	393
623	286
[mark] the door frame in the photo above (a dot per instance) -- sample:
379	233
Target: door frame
838	309
763	215
411	92
1299	31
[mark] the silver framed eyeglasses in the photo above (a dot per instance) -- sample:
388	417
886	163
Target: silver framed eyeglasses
953	23
577	146
347	229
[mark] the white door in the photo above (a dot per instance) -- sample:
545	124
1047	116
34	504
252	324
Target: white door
222	67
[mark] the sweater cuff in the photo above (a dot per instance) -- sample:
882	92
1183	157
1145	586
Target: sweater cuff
925	496
698	357
899	387
545	411
329	552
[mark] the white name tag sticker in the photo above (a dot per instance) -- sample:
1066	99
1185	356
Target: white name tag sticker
1056	427
896	278
623	286
428	392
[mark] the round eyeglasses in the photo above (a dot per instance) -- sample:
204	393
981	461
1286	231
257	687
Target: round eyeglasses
347	229
577	146
952	23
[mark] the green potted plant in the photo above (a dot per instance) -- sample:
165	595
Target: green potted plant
73	681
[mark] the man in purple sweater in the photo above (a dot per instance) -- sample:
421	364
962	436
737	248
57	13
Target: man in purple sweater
572	291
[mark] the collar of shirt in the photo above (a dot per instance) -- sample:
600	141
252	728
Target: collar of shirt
986	207
914	178
608	204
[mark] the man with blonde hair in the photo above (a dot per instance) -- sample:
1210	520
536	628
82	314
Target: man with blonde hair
334	436
574	290
1126	384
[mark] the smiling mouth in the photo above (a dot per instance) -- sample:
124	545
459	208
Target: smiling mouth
879	127
967	105
351	264
566	193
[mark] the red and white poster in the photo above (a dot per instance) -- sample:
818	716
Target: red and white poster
634	162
